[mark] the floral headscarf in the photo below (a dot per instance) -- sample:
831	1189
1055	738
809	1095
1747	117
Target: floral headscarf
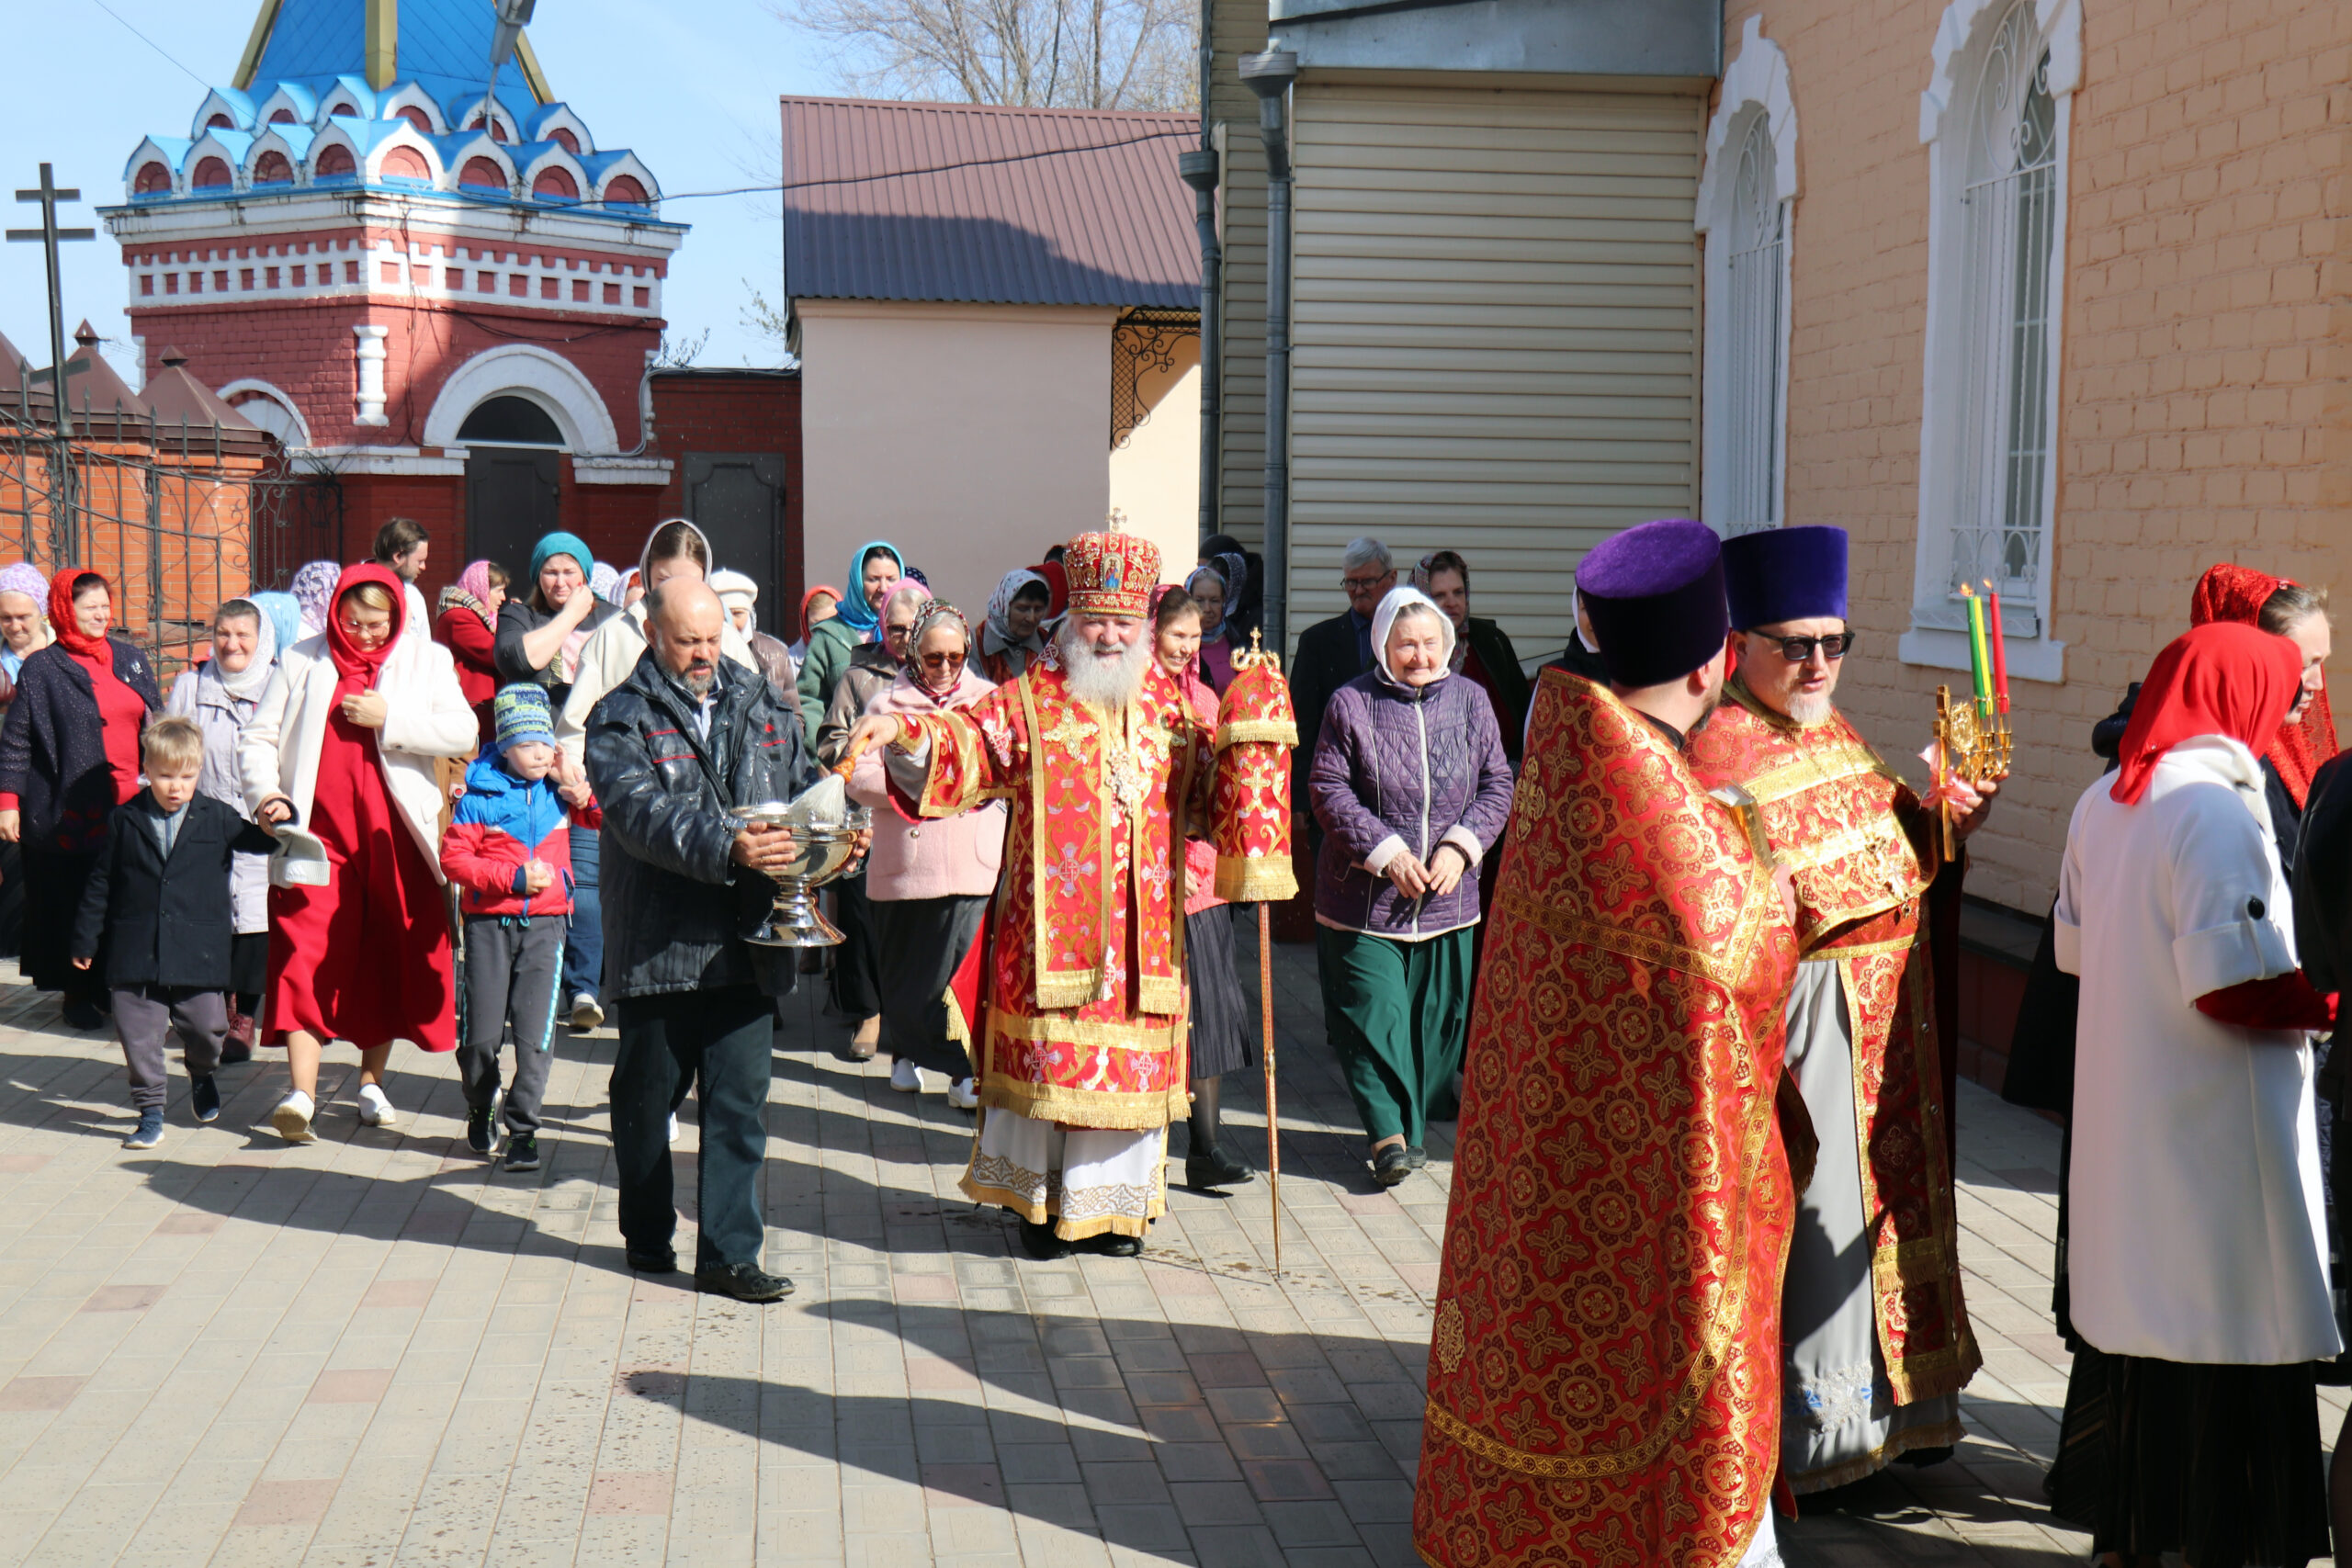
998	618
313	591
23	576
931	617
285	617
602	577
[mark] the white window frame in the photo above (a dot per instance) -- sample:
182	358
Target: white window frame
1949	116
1755	91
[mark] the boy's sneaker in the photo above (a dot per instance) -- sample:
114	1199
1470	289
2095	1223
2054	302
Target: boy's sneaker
479	1136
905	1077
522	1152
204	1099
148	1133
587	1013
376	1108
292	1119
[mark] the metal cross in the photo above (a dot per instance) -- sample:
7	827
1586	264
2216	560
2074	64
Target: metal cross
48	235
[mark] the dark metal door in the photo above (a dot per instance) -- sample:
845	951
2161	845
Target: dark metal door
513	496
738	501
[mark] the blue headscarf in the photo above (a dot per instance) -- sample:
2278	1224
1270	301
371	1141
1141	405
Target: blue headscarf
561	544
285	613
860	615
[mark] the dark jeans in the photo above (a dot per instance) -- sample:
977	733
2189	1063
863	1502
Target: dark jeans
721	1041
583	946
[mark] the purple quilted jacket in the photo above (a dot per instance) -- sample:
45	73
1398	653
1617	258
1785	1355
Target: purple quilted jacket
1410	764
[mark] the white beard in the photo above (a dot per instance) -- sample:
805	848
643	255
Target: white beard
1109	685
1809	710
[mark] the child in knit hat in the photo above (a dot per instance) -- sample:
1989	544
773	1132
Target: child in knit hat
509	852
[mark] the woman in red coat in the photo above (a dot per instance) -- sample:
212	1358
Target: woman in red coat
468	629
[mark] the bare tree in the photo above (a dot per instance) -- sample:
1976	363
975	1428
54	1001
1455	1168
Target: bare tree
1096	54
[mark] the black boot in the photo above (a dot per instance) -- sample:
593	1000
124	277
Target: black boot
1207	1165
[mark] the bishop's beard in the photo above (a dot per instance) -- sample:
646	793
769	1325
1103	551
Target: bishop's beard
1109	683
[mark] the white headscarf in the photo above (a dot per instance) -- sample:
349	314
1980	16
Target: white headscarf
246	685
1400	599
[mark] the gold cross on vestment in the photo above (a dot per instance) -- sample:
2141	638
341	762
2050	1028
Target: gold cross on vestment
1072	731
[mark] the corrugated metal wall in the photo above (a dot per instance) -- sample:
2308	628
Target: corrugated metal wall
1495	331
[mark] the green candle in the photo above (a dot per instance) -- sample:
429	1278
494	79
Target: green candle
1980	662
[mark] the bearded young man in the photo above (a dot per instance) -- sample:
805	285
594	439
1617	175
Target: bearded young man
1877	1341
1080	1057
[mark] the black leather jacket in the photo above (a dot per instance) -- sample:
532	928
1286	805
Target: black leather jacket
676	903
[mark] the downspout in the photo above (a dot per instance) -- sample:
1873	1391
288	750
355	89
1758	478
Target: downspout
1199	171
1270	76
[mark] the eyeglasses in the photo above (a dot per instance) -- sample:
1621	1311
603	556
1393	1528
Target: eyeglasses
943	661
1375	580
1797	649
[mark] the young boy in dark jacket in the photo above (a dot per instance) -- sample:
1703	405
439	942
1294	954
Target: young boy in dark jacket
157	906
509	852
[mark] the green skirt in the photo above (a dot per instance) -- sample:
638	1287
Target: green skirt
1396	1012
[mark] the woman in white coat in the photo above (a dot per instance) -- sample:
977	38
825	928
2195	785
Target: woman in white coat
2198	1258
338	761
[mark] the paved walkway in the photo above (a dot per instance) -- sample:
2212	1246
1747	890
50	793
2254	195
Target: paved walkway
377	1351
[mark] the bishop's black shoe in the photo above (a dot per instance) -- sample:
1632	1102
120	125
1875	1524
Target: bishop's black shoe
1040	1242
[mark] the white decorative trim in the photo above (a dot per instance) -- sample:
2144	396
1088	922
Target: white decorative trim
297	431
398	462
411	93
522	370
2029	658
370	352
1756	83
1965	31
621	471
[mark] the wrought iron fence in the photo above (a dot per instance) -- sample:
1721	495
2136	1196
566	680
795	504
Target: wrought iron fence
177	518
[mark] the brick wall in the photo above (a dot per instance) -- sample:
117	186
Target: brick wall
2208	317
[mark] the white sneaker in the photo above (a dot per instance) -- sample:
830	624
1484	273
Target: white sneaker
374	1109
905	1077
674	1127
586	1013
964	1095
292	1119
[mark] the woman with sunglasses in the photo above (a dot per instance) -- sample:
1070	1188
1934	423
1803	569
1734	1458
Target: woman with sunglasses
929	882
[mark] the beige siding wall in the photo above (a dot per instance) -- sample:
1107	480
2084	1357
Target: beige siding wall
1239	28
1495	331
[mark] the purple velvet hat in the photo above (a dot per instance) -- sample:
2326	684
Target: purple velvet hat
1655	594
1785	574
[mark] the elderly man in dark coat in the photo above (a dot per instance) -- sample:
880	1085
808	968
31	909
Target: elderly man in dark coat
674	752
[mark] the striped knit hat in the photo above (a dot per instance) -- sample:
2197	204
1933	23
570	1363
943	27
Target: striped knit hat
521	714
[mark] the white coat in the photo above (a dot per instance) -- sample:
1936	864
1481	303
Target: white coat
426	717
611	651
2196	1230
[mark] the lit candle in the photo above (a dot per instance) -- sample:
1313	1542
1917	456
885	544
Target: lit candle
1979	660
2000	648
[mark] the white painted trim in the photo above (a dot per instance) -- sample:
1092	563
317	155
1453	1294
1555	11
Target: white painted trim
621	471
218	102
405	462
1965	31
522	370
276	394
410	93
1756	83
2029	658
418	211
369	350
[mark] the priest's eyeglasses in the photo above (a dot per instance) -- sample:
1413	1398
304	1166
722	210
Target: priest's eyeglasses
1797	649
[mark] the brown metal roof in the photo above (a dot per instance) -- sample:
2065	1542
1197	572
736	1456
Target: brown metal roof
985	204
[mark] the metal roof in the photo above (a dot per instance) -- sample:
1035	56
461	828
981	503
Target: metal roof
982	204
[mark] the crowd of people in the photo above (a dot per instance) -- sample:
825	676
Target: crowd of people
1694	1010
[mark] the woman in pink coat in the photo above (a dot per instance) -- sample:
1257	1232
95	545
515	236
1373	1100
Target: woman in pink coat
929	882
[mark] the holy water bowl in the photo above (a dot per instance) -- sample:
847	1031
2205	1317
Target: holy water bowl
820	853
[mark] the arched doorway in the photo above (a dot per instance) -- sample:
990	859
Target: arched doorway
513	480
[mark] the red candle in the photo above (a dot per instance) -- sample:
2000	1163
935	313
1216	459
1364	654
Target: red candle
2000	651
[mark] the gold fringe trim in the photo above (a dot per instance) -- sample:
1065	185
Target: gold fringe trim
1087	1108
1258	879
1161	995
1944	1436
1089	1030
1279	731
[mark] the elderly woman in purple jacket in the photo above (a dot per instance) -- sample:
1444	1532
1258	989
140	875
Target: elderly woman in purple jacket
1411	789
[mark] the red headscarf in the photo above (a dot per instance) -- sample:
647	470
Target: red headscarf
359	667
2228	592
1057	584
806	625
60	613
2217	678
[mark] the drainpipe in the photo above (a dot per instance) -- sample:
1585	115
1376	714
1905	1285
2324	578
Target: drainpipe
1270	76
1199	171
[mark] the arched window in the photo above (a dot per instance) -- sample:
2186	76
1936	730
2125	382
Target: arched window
564	137
1997	116
212	173
419	119
1750	383
152	179
480	174
497	130
555	185
272	169
333	160
510	422
624	191
220	122
405	164
282	116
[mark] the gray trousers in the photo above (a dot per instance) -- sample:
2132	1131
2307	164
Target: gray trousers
513	967
145	1015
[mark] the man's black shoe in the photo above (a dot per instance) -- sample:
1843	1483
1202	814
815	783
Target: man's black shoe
1391	1165
744	1282
83	1015
1040	1242
1216	1169
648	1263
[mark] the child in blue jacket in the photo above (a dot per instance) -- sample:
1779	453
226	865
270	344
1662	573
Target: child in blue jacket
509	852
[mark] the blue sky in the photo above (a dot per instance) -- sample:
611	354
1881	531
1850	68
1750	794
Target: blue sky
692	88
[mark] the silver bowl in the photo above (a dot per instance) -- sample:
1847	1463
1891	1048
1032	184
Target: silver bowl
820	854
